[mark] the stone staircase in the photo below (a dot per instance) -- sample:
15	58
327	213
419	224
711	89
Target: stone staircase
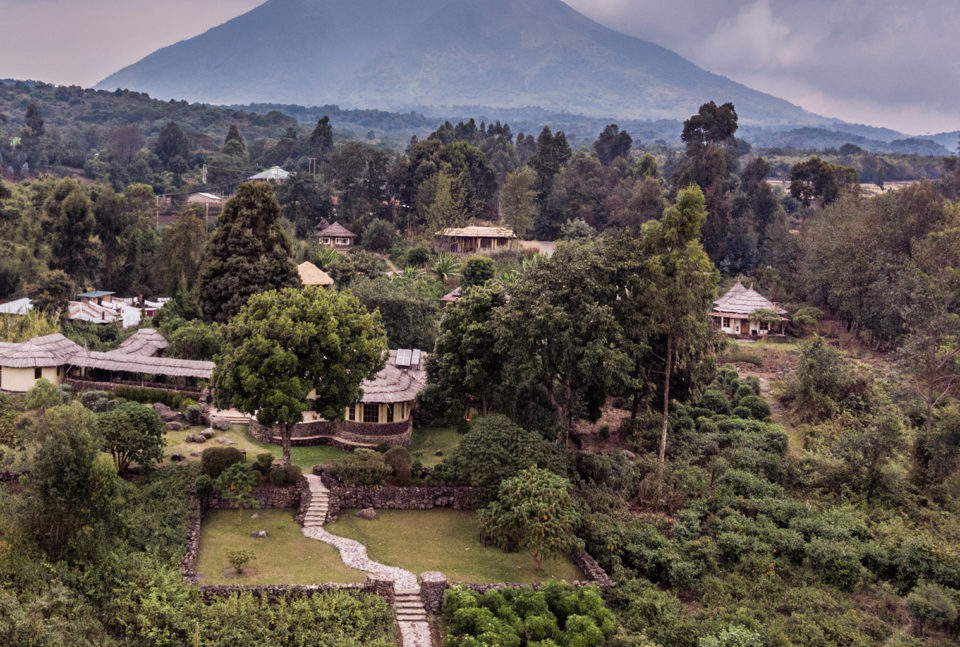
411	615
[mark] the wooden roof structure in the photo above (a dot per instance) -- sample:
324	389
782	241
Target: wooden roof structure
310	274
740	300
395	383
46	351
475	231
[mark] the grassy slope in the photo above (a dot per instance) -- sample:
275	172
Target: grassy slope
426	442
285	557
304	457
446	541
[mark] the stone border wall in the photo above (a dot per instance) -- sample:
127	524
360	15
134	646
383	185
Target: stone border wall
392	497
94	385
325	432
267	497
372	586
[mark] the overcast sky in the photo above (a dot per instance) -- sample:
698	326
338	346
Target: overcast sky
880	62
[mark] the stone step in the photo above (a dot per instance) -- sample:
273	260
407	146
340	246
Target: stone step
411	615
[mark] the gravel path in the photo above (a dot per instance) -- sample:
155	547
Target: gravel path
411	616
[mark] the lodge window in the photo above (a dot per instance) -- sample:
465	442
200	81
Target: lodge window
726	322
764	326
343	241
326	241
37	373
389	413
352	413
371	413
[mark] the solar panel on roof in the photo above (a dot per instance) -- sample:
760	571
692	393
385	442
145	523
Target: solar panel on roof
403	357
415	359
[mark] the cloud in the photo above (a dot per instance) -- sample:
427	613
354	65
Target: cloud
890	60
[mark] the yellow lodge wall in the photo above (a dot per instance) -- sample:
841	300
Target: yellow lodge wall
19	380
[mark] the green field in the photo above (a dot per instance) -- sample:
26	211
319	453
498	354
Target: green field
446	541
426	442
285	557
304	457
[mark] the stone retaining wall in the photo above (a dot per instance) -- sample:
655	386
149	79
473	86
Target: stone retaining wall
325	432
391	497
267	496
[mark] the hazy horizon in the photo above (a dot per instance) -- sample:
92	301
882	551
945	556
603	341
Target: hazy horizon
845	59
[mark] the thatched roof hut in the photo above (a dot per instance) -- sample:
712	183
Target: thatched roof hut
49	350
744	301
144	365
398	381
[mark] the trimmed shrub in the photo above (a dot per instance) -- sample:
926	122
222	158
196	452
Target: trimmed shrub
203	486
278	477
363	468
263	463
215	460
150	396
294	474
758	407
837	562
742	412
97	401
398	458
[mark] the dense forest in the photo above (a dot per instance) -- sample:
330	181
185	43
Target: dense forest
817	507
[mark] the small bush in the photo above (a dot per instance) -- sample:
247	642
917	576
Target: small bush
97	401
715	400
215	460
759	409
240	558
194	415
43	394
398	458
263	463
278	477
363	468
151	396
741	412
204	486
294	474
934	606
418	256
837	562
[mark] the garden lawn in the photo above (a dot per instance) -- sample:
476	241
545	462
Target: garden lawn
447	541
304	457
426	442
285	557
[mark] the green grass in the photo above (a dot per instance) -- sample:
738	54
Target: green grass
304	457
446	541
426	442
285	557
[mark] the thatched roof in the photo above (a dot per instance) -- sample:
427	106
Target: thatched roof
143	365
336	230
145	341
49	350
310	274
743	300
395	384
477	232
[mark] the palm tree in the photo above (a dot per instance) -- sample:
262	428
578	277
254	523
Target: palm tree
446	267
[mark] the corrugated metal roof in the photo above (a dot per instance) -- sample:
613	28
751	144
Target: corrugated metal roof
272	173
16	307
96	294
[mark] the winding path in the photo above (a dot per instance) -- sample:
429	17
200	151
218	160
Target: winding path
411	616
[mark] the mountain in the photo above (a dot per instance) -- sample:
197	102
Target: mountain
821	138
400	54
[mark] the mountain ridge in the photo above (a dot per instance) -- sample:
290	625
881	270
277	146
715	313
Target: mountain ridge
392	55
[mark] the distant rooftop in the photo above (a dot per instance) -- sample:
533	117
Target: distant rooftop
743	300
96	294
272	173
336	230
475	231
310	274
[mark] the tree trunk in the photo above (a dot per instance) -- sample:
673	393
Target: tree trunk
286	431
666	415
